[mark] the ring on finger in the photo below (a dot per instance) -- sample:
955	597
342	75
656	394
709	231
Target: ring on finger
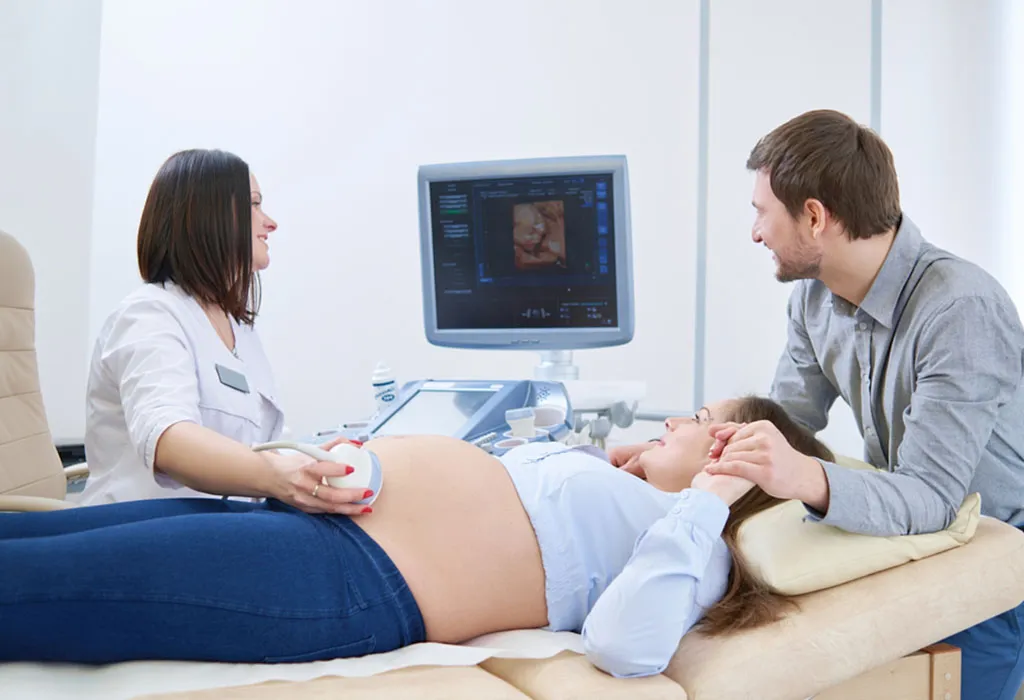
316	490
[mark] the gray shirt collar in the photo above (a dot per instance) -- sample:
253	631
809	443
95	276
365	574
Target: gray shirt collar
880	301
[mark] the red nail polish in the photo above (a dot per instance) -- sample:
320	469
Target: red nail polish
357	443
367	509
349	470
367	494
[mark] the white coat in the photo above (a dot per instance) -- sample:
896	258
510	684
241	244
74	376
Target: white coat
155	363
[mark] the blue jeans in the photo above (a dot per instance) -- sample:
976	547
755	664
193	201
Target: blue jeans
992	657
197	579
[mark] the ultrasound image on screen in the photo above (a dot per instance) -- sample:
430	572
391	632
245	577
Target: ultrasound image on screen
538	235
523	238
527	252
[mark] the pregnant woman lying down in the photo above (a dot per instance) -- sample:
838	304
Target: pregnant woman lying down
458	544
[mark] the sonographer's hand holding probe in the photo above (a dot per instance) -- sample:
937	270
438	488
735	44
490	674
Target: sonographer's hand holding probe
323	481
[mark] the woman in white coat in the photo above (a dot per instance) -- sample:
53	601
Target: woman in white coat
179	385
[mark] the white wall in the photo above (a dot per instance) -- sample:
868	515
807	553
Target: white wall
335	105
768	63
1010	161
49	65
941	115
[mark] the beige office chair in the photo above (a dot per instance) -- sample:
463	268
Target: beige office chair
31	475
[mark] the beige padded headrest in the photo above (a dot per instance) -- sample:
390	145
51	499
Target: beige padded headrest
29	465
794	556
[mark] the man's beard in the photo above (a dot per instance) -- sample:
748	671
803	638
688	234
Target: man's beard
803	270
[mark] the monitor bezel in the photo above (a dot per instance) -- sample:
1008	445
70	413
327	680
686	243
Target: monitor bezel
532	338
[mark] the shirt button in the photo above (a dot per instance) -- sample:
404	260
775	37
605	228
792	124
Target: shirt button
862	326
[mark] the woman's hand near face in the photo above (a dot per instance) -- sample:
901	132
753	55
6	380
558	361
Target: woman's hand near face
300	483
622	455
729	488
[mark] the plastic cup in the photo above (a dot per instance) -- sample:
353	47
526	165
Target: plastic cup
521	421
502	446
548	416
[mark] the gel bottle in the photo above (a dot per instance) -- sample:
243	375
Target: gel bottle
385	388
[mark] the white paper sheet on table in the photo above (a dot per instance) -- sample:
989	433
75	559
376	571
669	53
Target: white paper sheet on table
128	680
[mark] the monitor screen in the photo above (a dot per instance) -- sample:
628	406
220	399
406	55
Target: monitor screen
527	253
524	252
434	413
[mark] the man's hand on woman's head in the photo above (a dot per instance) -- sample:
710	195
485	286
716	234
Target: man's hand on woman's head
722	433
760	453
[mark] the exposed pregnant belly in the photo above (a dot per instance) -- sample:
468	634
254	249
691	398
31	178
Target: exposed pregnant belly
449	517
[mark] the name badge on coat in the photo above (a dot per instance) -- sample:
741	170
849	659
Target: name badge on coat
231	378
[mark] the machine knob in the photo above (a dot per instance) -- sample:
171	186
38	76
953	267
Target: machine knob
621	414
600	428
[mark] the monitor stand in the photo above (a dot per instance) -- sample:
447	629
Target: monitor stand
603	397
556	366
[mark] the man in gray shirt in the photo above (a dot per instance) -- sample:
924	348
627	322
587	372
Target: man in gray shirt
926	348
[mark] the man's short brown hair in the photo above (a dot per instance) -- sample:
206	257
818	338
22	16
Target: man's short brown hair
826	155
196	231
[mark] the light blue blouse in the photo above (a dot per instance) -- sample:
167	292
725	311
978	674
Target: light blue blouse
630	567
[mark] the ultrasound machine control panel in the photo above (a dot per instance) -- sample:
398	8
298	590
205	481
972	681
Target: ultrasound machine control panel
475	411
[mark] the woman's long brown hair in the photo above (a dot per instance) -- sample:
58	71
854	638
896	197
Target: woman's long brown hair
748	602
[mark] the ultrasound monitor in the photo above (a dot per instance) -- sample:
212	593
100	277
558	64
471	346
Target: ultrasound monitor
527	254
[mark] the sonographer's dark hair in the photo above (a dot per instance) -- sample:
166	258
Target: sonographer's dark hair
196	231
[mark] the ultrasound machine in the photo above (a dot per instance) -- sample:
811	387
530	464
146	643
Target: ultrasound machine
520	254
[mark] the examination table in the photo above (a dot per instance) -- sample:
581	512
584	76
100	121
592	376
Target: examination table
872	637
